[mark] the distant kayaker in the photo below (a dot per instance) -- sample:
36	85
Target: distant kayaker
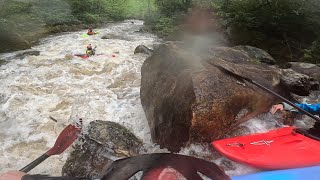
90	31
311	108
90	51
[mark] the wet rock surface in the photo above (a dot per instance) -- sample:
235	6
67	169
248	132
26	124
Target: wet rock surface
187	98
27	53
3	62
104	142
114	36
309	69
298	83
256	53
227	165
12	41
143	49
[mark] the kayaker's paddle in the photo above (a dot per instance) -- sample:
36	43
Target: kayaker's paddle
268	90
65	139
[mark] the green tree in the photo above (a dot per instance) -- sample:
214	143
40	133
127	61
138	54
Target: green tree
283	27
171	7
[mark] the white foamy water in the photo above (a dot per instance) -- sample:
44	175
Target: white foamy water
59	85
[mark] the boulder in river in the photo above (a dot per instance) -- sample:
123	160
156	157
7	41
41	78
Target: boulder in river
114	36
309	69
104	142
256	53
11	40
2	62
188	98
298	83
27	53
143	49
106	37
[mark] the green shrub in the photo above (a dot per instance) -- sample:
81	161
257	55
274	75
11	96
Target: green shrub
164	26
312	54
293	23
9	7
172	7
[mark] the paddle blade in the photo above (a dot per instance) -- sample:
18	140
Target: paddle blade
65	139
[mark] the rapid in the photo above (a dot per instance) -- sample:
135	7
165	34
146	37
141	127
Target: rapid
59	85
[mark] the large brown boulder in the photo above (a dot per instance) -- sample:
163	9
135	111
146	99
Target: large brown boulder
187	98
104	141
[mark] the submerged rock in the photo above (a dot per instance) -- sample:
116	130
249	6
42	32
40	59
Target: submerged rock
143	49
187	98
3	62
107	37
27	53
114	36
104	142
227	165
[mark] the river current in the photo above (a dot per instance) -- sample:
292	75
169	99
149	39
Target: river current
104	87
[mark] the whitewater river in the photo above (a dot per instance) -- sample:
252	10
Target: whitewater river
62	86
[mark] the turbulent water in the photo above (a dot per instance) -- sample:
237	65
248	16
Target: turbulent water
59	85
62	86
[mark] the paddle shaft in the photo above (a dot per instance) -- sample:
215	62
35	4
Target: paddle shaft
275	94
34	163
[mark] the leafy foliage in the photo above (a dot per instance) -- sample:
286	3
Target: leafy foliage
168	15
164	26
171	7
12	7
141	9
59	12
283	27
287	29
24	21
312	54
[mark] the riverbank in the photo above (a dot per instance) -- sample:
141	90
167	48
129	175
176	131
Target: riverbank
23	23
14	41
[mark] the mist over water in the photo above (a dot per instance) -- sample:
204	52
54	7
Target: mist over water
59	85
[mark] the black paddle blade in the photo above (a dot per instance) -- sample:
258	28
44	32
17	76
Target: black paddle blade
153	165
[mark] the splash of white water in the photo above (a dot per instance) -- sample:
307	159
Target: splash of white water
60	85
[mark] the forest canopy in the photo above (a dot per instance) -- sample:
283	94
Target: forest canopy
288	29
